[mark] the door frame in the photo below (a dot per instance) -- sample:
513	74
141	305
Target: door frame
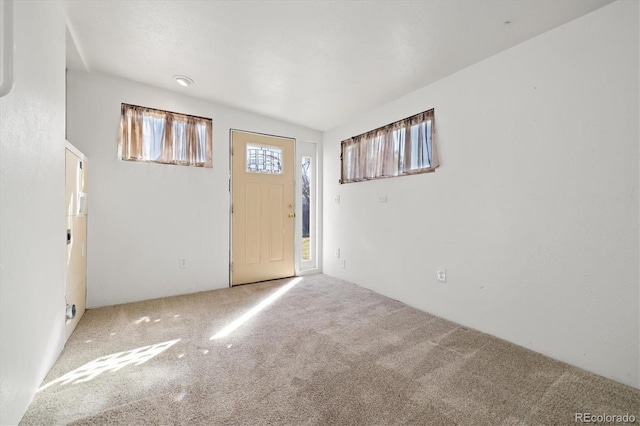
71	324
295	189
311	266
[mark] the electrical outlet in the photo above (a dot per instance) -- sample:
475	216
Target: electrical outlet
382	199
338	253
183	263
441	274
336	199
343	264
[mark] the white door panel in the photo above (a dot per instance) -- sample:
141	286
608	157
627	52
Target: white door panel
262	232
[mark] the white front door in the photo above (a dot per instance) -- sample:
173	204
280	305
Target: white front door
262	196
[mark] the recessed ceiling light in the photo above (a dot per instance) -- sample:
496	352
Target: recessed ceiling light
182	80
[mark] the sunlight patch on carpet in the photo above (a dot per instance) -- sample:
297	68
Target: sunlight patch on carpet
253	311
112	363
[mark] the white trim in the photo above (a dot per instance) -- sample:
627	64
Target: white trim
75	150
312	266
7	47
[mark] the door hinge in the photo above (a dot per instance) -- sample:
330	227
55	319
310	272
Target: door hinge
231	207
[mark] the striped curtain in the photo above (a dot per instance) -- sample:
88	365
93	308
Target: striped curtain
152	135
401	148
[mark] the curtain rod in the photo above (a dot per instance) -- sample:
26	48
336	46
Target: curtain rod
392	123
170	112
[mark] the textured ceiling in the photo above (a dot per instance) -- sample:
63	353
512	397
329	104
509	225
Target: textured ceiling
313	63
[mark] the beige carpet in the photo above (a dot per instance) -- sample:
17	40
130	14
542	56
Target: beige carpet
325	353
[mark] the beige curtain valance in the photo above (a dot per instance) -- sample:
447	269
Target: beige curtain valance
404	147
153	135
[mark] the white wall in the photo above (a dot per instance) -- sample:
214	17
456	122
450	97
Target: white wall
534	211
143	218
32	243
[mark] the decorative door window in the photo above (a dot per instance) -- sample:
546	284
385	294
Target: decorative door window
264	159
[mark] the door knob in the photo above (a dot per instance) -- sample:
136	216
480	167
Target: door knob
292	215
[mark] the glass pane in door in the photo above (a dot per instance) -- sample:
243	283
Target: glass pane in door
306	207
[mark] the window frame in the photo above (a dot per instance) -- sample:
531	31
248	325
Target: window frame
379	154
311	265
265	149
176	138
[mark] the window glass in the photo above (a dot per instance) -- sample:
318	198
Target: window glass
152	135
306	208
264	159
397	149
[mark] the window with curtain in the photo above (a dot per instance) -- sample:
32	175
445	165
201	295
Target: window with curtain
153	135
397	149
